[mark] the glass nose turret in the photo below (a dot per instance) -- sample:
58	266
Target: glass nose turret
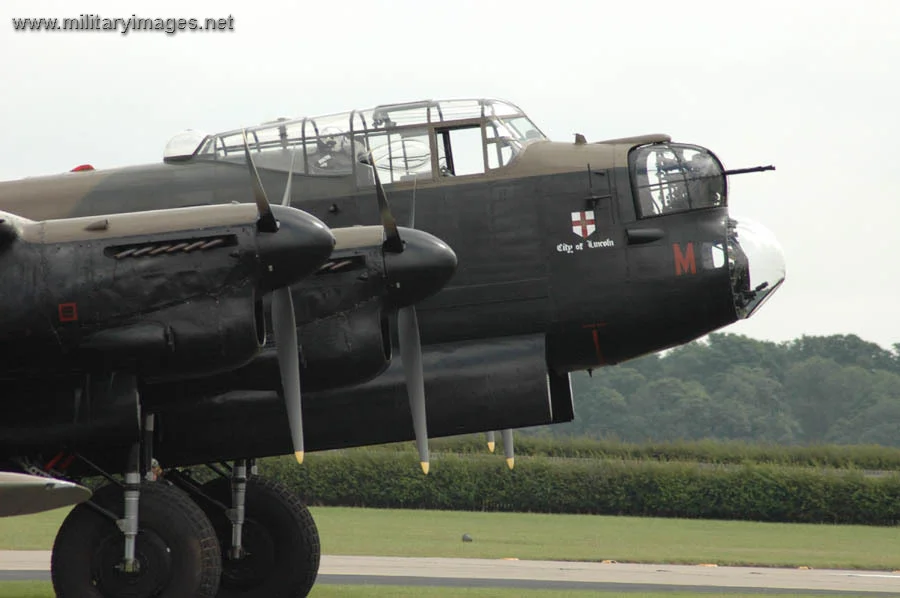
756	262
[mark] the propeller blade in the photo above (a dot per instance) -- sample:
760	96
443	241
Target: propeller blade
392	241
508	449
490	440
411	353
266	222
285	327
284	324
407	326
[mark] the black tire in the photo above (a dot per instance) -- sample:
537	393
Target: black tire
176	547
279	536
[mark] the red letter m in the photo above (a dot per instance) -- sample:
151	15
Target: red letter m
684	262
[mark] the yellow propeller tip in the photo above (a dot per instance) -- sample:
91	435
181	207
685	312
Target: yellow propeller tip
511	462
491	446
424	465
298	455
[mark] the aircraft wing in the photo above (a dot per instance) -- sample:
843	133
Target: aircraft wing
22	494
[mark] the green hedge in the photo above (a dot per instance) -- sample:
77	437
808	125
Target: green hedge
386	479
870	457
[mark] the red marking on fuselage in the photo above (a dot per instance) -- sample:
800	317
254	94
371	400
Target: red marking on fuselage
82	168
583	222
595	334
68	312
684	262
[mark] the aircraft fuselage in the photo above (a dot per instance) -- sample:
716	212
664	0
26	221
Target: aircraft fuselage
601	297
590	253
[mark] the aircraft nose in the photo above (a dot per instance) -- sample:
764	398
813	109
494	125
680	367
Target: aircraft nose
422	269
757	264
299	247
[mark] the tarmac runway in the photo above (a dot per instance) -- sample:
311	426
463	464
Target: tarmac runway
619	577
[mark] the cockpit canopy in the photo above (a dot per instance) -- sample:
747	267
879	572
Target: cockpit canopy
183	145
674	177
406	141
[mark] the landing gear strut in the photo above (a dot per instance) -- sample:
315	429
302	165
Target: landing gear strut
236	512
279	549
129	523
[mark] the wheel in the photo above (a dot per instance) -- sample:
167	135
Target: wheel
280	541
176	548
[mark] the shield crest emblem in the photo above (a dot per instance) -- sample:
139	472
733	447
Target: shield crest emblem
583	223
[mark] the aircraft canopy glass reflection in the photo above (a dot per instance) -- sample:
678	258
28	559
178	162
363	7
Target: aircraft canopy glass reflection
406	141
675	177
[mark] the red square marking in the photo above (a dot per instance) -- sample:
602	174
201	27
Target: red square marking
68	312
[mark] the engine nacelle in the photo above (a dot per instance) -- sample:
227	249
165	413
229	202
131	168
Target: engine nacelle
202	337
344	349
470	387
163	294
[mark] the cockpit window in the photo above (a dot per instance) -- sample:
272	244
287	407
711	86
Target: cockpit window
522	128
505	138
670	178
400	155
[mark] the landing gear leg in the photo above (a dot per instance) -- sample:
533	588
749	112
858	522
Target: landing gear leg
129	523
280	548
236	512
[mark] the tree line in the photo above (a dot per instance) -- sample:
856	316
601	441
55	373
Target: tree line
816	389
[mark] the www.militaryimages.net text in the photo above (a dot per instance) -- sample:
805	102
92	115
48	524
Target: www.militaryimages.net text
124	26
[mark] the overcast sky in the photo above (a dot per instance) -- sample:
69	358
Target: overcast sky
812	87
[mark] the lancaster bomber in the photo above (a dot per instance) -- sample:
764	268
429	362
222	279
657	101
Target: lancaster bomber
434	268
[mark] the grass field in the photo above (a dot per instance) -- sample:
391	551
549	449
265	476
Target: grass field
27	589
596	538
350	531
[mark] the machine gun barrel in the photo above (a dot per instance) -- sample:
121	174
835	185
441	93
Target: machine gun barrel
746	170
